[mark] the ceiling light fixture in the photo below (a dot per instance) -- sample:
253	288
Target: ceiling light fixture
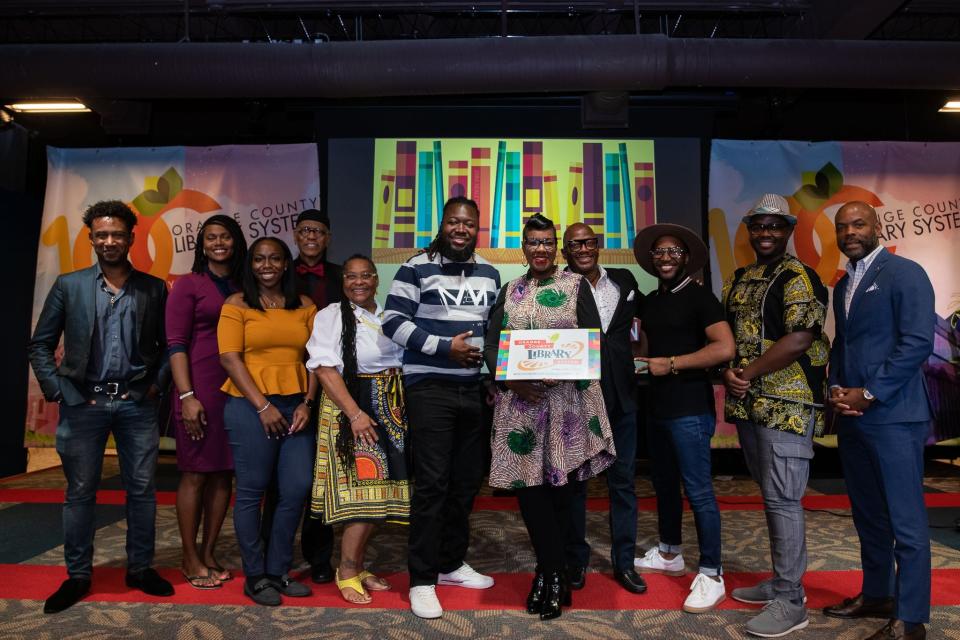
51	106
951	106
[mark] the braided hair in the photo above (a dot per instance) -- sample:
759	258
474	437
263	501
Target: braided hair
348	344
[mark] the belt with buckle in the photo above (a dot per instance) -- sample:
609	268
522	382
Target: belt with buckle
109	389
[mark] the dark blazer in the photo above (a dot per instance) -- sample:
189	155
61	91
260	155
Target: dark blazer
617	377
886	337
70	310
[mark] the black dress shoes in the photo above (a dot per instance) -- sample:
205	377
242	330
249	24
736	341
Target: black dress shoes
538	592
859	607
557	595
577	577
69	593
321	573
630	580
897	630
150	582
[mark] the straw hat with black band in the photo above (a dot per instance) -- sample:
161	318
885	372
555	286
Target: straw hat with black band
697	255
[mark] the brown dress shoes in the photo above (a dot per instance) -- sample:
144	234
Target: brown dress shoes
896	630
858	607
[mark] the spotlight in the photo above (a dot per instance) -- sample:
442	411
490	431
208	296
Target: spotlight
49	106
951	106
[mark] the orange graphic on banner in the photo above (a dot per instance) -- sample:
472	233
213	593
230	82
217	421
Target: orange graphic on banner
809	204
161	194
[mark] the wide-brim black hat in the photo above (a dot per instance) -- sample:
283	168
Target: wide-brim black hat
696	260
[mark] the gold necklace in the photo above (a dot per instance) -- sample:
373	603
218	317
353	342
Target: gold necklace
267	302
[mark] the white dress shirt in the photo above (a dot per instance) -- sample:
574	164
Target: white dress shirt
375	351
856	270
606	293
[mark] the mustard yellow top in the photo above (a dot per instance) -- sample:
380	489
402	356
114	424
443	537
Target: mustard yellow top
272	344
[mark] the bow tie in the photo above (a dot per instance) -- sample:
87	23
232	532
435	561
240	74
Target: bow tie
316	269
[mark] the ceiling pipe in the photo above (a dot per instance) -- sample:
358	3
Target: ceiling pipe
469	66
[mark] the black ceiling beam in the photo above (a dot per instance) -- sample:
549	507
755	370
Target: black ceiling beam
848	19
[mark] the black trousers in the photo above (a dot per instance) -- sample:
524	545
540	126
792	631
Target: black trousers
546	513
447	446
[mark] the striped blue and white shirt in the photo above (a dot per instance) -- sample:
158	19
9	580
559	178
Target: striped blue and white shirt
430	302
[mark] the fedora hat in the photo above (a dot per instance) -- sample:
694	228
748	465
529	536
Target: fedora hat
696	259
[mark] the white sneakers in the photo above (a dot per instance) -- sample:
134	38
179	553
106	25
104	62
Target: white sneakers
423	599
653	562
467	577
424	603
705	594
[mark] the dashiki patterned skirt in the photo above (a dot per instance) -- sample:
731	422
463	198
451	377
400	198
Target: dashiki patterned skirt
374	484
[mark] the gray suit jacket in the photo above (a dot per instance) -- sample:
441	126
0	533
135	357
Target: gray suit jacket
70	311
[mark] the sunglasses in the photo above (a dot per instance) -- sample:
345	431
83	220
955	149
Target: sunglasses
774	227
673	252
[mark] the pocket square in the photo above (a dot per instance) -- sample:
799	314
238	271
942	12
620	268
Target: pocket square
631	296
872	287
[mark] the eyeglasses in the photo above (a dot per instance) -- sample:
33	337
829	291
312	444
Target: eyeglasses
673	252
580	245
546	243
774	227
304	232
353	277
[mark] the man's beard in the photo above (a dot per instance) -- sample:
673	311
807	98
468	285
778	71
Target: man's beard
457	255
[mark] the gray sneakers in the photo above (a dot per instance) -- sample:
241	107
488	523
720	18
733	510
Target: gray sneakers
760	593
778	618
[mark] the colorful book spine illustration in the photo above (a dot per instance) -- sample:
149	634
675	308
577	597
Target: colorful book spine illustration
644	193
614	236
498	195
575	199
438	179
627	193
532	178
593	188
551	207
480	190
513	200
406	176
381	234
425	199
458	180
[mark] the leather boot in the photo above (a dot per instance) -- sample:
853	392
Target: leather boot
557	595
538	593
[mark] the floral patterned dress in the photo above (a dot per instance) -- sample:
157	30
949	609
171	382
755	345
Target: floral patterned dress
568	432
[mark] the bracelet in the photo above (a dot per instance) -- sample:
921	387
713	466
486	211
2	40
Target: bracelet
359	413
265	407
186	394
673	365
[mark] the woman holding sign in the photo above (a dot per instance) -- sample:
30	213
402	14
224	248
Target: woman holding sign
546	433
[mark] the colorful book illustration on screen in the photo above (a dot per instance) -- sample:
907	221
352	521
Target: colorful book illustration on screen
607	184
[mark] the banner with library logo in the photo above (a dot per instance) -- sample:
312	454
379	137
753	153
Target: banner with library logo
172	190
915	189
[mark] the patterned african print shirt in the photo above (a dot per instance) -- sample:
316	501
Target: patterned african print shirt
763	303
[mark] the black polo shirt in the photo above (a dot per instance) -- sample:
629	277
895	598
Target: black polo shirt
675	322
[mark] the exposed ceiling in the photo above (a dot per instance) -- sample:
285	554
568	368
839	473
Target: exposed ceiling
104	21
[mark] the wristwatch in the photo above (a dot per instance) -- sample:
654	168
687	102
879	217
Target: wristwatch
310	402
867	395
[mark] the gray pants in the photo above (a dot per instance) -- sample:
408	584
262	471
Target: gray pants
779	461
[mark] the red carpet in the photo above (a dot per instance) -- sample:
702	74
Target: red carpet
35	582
485	503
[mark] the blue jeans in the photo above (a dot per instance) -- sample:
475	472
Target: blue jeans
680	452
255	457
81	438
623	502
